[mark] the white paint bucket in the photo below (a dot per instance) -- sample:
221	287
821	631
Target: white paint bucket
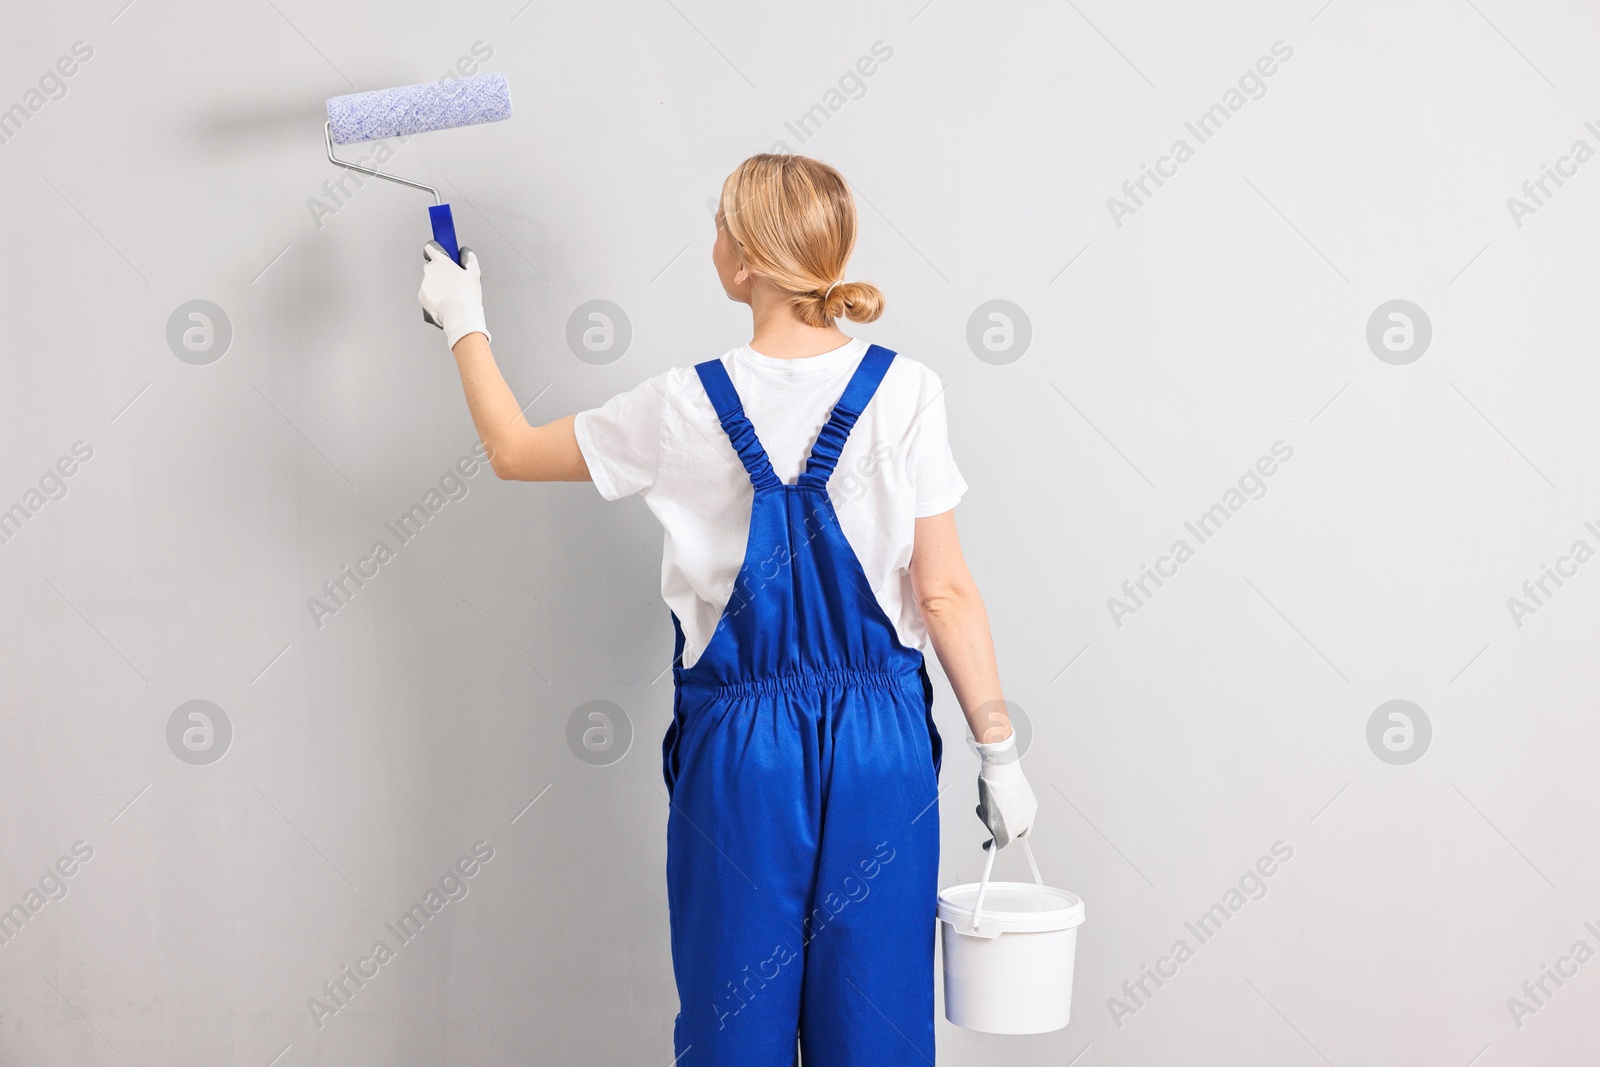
1009	948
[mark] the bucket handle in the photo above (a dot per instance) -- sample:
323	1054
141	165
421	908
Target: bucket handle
988	869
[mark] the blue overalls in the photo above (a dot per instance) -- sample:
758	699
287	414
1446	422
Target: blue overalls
802	765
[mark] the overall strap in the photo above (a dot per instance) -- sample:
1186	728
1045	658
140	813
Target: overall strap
730	412
852	402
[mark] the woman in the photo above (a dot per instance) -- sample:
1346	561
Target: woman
803	578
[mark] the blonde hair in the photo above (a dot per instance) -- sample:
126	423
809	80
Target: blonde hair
794	221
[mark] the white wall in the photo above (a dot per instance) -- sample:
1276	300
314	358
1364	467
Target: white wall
1170	348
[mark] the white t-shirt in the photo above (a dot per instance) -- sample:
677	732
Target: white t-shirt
663	439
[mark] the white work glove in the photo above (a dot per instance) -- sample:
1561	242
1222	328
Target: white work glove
1006	803
451	293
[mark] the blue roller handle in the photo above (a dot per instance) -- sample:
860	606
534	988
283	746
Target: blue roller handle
444	231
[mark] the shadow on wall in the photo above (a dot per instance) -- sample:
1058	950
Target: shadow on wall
261	129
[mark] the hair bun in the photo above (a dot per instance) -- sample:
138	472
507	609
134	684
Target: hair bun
856	301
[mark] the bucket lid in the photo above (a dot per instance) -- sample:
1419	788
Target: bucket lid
1011	907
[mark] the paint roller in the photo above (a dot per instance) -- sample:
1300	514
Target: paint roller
410	109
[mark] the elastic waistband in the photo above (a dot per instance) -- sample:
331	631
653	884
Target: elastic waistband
805	680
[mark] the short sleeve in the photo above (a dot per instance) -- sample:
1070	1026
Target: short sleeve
938	482
621	439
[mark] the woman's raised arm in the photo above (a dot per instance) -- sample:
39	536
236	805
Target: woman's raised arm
453	295
517	451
